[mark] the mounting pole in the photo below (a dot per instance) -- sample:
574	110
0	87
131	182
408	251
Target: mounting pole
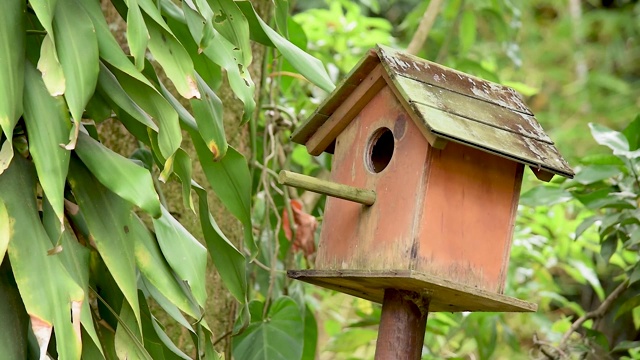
402	325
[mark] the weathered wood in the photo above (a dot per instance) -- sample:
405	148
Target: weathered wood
402	325
362	196
446	296
343	115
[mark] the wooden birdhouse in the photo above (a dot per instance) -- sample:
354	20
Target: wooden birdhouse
434	159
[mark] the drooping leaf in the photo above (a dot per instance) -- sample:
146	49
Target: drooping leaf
274	337
186	256
109	86
232	24
231	181
282	17
632	133
50	67
108	218
228	260
128	341
307	65
77	47
5	230
38	275
169	307
182	169
544	196
221	51
15	320
48	126
137	33
155	269
594	173
156	341
208	114
12	53
75	258
119	174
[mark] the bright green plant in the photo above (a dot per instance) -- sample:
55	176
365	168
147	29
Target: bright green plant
85	239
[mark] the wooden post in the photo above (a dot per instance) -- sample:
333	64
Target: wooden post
402	325
346	192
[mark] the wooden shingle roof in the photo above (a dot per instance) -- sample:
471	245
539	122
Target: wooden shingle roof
452	106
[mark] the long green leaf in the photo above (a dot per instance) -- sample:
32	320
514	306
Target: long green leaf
307	65
156	341
230	179
48	126
231	23
187	257
49	66
155	269
75	258
14	318
108	218
5	230
44	10
12	52
229	262
119	174
77	47
169	307
221	52
38	275
111	88
174	59
182	168
128	342
208	114
137	33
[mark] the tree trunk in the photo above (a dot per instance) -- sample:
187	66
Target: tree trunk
221	307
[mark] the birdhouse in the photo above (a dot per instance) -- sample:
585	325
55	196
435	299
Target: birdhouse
434	159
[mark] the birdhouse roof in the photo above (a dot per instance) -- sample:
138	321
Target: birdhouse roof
447	105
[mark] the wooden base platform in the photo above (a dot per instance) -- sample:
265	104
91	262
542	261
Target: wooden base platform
446	296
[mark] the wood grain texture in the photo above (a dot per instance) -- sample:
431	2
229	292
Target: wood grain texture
342	116
340	191
444	295
402	325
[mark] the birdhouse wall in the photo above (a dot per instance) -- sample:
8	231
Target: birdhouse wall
466	224
447	213
380	236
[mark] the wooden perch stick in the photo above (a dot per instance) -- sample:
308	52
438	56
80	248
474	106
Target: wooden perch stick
362	196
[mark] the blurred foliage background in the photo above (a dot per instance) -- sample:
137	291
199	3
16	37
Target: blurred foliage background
575	249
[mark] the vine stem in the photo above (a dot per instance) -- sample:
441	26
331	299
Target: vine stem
599	312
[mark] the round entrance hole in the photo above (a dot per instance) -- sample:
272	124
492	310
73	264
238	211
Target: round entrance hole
380	150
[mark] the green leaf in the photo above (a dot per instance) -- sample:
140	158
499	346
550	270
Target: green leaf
626	345
310	335
168	306
174	59
128	341
627	306
15	320
38	275
221	52
589	275
5	230
75	259
585	224
48	125
232	24
594	173
154	268
119	174
282	17
608	247
351	339
230	179
307	65
467	31
108	218
635	275
109	86
544	196
156	340
186	256
275	337
50	67
77	47
208	115
614	140
632	133
12	56
227	259
137	33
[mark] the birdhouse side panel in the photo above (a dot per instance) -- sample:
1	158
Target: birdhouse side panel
381	149
469	210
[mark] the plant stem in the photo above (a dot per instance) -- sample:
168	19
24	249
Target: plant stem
425	26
